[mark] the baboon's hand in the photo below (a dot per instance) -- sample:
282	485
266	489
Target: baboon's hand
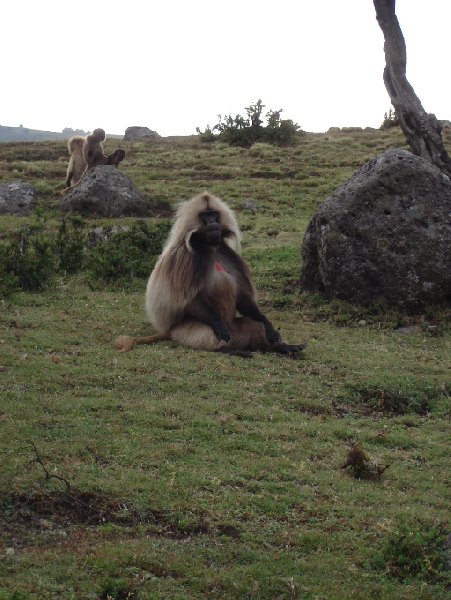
222	333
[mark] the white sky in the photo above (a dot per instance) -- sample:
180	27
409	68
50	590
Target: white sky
172	65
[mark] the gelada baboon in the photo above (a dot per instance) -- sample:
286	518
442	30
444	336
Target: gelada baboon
87	153
200	283
115	157
77	164
93	149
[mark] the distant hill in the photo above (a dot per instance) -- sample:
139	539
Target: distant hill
24	134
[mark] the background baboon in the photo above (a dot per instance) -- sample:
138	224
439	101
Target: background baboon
86	153
115	157
77	164
93	149
200	283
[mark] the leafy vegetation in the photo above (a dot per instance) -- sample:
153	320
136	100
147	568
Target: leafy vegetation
390	119
415	551
125	255
36	253
248	130
171	473
28	260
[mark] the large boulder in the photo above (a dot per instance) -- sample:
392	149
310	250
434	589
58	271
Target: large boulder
139	133
384	235
17	198
107	192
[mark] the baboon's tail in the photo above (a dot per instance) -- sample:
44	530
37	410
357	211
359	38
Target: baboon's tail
124	343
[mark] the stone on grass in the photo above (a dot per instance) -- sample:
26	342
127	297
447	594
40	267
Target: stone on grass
17	198
139	133
106	192
385	235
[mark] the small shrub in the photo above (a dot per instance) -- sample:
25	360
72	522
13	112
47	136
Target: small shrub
390	120
28	260
117	589
128	254
70	244
280	132
414	552
246	131
398	396
207	135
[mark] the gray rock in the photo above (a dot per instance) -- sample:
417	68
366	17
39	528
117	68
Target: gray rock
107	192
139	133
384	235
249	205
409	330
17	198
103	234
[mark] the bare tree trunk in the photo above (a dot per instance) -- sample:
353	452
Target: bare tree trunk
422	130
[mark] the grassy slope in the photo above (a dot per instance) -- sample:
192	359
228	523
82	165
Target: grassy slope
196	475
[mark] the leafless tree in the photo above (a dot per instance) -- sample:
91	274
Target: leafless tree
422	130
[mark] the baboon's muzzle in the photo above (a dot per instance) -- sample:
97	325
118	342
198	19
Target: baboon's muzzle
213	234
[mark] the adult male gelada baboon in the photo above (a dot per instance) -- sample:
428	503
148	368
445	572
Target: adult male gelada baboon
200	283
87	153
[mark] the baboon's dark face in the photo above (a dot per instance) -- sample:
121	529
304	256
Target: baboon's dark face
210	230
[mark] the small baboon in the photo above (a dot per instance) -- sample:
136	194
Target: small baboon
77	164
115	157
87	153
200	283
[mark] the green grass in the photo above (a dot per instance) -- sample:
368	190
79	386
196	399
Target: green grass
173	473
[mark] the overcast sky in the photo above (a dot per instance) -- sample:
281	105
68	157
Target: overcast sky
173	65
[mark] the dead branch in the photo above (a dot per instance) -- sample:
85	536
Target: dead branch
422	130
38	459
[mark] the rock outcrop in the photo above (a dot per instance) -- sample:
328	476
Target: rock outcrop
17	198
139	133
384	235
107	192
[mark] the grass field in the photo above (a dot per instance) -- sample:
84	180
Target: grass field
168	473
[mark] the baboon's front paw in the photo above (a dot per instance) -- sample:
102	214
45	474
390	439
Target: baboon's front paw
223	334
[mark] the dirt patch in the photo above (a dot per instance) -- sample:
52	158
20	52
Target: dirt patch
24	516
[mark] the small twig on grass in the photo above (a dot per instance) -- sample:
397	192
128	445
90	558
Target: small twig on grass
48	475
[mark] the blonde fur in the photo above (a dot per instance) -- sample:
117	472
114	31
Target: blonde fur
93	149
173	283
77	164
199	284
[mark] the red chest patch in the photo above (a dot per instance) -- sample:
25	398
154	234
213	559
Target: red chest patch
219	266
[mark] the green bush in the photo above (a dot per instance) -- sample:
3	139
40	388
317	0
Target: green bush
414	552
248	130
207	135
128	254
390	120
397	396
28	260
70	244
